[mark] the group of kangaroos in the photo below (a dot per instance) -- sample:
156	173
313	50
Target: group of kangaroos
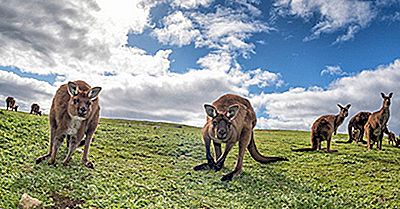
74	114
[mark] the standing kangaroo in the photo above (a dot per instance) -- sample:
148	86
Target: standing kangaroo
74	113
356	127
377	122
230	119
323	128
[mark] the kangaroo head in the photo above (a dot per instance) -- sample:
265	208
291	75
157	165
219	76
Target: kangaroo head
222	121
386	99
80	102
344	111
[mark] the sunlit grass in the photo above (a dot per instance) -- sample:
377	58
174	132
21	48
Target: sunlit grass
143	164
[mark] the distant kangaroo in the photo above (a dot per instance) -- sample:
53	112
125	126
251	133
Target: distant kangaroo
391	136
377	122
323	128
231	119
74	113
356	125
10	104
35	109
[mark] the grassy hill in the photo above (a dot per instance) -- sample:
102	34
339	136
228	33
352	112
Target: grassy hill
149	165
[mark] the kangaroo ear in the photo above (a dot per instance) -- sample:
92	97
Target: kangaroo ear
348	106
340	106
210	110
94	92
391	94
383	95
232	111
72	88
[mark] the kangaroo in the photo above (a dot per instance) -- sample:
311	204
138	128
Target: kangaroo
356	127
230	119
35	109
10	103
391	136
377	122
323	128
74	112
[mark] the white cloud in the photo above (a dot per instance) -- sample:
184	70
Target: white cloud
299	107
332	16
25	91
228	30
178	30
64	37
86	40
333	70
190	4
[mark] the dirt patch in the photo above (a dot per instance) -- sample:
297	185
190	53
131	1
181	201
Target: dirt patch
62	202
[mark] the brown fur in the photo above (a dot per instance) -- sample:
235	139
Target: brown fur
35	109
356	127
377	122
10	104
67	119
323	128
231	119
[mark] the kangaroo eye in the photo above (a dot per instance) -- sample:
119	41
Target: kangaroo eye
76	101
215	123
88	103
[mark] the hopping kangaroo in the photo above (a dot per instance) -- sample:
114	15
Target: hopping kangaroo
10	104
377	123
231	119
35	109
356	127
323	128
74	113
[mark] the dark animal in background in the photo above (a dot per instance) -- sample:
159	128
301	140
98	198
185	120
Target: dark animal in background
231	119
356	127
323	128
391	136
10	104
377	123
73	114
35	109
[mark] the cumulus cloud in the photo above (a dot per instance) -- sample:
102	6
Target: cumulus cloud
87	40
190	4
178	30
25	91
332	16
299	107
333	70
228	29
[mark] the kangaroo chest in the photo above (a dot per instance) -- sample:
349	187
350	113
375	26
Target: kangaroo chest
385	118
74	126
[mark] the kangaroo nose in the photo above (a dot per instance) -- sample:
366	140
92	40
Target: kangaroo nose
222	133
82	110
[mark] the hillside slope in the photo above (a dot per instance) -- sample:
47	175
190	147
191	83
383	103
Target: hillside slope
144	164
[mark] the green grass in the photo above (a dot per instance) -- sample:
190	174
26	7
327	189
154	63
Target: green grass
140	166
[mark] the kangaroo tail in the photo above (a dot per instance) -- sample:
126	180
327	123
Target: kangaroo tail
260	158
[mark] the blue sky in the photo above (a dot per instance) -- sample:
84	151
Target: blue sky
284	51
162	60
